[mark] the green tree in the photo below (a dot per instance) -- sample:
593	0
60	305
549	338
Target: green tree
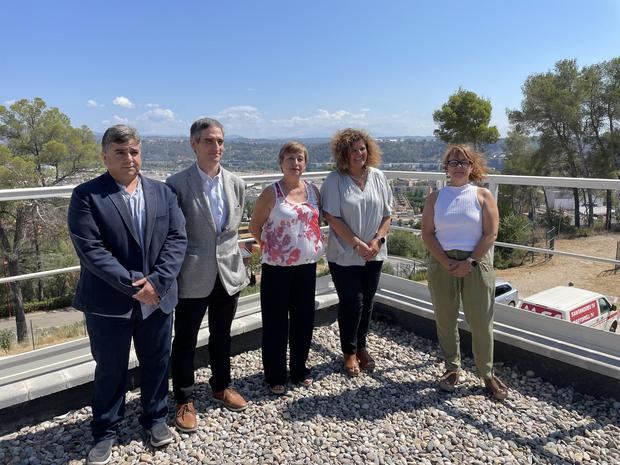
465	118
41	148
574	113
520	152
406	244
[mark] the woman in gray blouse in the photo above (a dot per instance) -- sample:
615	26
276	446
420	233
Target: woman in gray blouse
357	206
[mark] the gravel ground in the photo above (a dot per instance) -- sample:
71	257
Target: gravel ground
394	416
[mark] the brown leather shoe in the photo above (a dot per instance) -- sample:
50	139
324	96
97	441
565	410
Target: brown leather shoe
230	399
185	418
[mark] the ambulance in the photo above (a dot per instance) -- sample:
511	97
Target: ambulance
573	304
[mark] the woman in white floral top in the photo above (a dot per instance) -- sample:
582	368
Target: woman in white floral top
285	222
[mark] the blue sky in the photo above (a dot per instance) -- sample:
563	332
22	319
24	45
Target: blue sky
289	68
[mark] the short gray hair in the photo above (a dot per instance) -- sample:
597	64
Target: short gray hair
203	123
119	134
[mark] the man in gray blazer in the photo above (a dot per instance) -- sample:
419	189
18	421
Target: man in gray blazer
212	274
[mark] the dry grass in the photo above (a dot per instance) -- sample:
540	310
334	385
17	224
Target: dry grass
44	337
559	271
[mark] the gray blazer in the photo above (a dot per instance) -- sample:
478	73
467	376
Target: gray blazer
207	253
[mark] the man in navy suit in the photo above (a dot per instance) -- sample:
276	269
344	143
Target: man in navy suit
129	234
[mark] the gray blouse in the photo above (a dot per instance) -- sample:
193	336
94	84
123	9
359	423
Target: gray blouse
361	210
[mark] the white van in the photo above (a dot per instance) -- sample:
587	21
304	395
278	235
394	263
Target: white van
573	304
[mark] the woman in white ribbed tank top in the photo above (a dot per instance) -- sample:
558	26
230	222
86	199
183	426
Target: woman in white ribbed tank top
459	227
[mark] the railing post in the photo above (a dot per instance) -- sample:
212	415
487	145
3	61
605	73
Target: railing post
494	189
32	335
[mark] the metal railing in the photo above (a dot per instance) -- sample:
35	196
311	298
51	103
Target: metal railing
494	181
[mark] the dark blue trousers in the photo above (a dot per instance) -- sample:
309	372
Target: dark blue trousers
110	343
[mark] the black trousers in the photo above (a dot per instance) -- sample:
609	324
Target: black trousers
356	287
187	319
284	291
110	343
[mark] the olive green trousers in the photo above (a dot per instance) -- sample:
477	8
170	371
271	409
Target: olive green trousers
477	292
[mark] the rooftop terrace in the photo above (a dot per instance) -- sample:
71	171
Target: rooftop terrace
563	405
394	416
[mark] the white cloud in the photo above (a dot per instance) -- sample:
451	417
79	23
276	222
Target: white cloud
242	112
8	103
93	104
365	110
152	105
322	119
157	115
123	102
160	121
120	120
250	121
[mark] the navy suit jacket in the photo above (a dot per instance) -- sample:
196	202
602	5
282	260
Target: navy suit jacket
110	253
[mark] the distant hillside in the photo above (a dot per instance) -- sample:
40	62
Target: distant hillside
262	153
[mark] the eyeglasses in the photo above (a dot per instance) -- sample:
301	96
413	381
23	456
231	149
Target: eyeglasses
462	163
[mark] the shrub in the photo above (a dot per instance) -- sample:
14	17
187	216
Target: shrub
406	244
514	229
41	305
556	219
6	339
388	268
420	276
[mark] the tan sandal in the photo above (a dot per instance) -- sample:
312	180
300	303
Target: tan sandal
496	388
449	380
351	365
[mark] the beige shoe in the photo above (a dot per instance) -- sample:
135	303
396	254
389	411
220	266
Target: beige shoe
185	418
496	388
449	380
231	399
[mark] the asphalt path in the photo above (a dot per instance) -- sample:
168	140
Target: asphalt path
52	318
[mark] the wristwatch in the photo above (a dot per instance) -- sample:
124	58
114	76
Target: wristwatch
472	262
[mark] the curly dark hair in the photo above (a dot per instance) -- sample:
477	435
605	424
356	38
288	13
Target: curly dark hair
479	166
341	144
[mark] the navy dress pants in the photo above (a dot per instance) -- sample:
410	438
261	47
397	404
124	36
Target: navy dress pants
110	343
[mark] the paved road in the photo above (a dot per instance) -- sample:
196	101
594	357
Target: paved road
62	317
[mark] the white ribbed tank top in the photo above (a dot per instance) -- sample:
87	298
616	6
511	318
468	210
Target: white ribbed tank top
458	218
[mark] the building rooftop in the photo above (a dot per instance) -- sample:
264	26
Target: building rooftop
395	415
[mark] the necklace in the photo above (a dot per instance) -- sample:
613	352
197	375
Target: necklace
360	178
